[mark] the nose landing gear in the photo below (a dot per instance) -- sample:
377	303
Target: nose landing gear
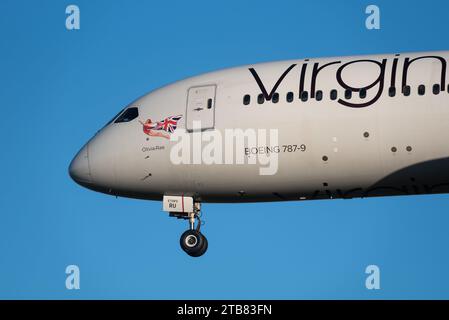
192	241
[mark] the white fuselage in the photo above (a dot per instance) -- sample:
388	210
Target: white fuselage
380	141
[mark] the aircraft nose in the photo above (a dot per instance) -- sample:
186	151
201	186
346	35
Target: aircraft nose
79	168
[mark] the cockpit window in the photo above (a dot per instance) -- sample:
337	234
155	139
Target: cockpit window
128	115
115	117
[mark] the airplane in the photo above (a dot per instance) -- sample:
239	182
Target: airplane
307	129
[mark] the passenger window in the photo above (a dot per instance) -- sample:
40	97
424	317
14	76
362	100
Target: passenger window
334	94
436	88
128	115
275	98
289	96
406	91
421	90
304	96
246	99
348	94
362	93
319	95
260	99
392	91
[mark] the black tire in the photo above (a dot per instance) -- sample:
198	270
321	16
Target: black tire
192	242
202	250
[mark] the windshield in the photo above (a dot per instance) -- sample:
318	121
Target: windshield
128	115
115	117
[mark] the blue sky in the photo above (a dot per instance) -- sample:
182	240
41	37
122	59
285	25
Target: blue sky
58	87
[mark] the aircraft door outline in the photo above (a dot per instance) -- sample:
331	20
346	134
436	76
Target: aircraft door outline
201	107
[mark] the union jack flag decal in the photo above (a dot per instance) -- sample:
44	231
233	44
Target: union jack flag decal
168	124
161	128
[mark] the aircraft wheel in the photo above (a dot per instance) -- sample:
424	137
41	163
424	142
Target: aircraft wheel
193	243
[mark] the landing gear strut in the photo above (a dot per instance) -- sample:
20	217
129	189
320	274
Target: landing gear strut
192	241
